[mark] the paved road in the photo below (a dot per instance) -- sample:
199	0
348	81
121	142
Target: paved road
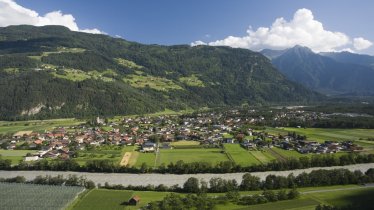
166	179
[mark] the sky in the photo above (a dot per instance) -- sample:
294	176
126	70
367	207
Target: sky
322	25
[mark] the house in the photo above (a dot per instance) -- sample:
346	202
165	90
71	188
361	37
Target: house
148	147
134	200
31	158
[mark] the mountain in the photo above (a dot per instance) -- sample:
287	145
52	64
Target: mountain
324	74
352	58
51	71
272	54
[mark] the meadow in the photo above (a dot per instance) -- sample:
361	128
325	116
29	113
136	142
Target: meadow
323	134
10	127
115	199
310	197
15	155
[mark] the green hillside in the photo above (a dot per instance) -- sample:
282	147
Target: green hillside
51	71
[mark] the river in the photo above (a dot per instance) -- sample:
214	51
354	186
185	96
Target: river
167	179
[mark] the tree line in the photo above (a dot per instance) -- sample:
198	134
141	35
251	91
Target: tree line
181	167
71	180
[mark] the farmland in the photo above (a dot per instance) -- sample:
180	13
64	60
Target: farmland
29	196
322	134
311	197
15	155
115	199
240	155
191	155
108	152
8	127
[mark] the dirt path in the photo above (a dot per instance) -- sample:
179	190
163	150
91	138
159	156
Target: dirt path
125	159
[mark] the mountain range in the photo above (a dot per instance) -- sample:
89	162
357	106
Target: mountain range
51	71
338	73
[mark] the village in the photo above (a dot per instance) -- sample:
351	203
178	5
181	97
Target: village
150	133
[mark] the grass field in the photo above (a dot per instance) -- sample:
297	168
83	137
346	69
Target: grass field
148	158
114	199
36	125
322	134
264	156
240	156
191	155
185	143
157	83
339	195
114	153
15	155
289	153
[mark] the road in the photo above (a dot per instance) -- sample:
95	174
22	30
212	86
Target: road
167	179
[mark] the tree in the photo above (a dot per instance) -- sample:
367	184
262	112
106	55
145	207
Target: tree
191	185
270	195
293	193
250	182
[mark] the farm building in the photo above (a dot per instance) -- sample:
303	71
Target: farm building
134	200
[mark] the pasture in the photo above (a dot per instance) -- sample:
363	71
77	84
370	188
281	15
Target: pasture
115	199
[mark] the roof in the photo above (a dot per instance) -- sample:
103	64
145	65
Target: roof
136	198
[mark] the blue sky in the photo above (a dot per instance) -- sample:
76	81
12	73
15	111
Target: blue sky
183	22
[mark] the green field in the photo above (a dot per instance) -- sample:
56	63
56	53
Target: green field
185	143
240	156
10	127
322	134
311	196
115	199
191	155
15	155
114	153
289	153
157	83
140	158
264	156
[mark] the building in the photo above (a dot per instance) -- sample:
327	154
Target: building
134	200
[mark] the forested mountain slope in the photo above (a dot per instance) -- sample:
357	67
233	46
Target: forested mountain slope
51	71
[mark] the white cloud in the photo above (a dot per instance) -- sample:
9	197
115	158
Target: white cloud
13	14
361	43
196	43
303	30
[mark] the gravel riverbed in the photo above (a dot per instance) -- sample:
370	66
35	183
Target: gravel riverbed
167	179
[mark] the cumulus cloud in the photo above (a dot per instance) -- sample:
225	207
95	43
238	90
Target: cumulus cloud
13	14
361	43
302	29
